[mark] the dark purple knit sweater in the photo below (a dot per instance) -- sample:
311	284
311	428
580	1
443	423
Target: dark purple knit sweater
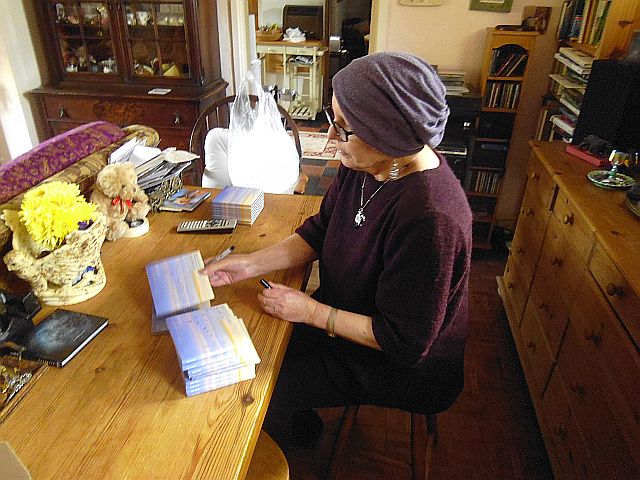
407	266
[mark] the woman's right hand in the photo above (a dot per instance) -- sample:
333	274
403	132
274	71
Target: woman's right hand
232	269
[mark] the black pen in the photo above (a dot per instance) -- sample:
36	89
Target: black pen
264	283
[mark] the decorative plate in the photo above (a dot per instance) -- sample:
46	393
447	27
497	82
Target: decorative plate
602	179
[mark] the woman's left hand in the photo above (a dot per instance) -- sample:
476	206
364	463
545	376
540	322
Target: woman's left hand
288	304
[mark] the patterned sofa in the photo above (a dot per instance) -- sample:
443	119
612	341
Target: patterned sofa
74	156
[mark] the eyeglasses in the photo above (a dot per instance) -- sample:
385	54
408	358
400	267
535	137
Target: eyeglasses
343	134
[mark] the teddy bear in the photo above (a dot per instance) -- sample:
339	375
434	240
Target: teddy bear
118	196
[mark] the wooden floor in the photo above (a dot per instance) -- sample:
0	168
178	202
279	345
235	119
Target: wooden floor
489	433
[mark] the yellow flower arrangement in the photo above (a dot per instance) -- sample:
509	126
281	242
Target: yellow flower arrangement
53	210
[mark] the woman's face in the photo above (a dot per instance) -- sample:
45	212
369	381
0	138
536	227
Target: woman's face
354	153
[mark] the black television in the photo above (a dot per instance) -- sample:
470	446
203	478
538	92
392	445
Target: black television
611	105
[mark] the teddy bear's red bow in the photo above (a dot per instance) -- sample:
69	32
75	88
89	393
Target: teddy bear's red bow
122	203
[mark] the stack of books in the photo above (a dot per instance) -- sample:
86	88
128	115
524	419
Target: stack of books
177	287
243	204
453	81
213	348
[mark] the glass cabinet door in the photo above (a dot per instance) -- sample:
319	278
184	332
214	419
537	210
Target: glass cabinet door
156	39
83	32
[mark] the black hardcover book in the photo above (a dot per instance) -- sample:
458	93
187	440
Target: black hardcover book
60	335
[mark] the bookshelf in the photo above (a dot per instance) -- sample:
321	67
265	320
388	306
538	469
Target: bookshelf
588	30
503	73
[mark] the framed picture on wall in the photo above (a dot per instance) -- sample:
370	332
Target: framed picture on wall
491	5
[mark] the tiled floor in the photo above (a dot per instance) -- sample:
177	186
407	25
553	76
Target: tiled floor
320	172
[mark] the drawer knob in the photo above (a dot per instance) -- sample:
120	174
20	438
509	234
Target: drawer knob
510	285
568	219
556	261
561	432
534	175
177	120
593	338
62	112
520	250
614	290
543	306
530	212
531	345
578	388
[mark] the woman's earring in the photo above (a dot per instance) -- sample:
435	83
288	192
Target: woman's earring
394	172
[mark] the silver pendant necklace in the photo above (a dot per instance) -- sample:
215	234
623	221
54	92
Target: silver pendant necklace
359	219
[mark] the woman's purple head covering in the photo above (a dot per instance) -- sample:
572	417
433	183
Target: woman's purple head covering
393	101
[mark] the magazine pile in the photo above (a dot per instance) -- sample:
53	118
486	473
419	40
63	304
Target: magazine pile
153	166
213	347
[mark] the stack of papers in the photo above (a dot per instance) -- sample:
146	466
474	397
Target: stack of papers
243	204
177	287
453	81
213	348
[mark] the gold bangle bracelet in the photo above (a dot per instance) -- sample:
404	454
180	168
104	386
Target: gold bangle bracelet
331	322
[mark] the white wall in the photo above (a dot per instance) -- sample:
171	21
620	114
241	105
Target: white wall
18	74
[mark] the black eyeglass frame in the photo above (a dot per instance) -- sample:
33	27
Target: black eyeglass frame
343	133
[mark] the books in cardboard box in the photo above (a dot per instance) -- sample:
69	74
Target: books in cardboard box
213	347
61	335
177	287
241	203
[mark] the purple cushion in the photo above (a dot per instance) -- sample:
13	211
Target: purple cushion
54	155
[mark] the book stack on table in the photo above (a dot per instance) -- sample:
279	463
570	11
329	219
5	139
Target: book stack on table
177	287
241	203
213	347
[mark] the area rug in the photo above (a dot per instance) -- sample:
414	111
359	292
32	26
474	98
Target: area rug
317	146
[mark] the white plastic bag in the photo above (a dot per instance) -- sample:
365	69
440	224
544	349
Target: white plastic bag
261	153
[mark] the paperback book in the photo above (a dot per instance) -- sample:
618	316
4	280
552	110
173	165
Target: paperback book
185	200
60	336
177	287
213	347
241	203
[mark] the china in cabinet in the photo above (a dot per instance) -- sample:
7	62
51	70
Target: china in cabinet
155	62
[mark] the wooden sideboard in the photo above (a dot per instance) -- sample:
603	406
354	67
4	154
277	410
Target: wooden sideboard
571	291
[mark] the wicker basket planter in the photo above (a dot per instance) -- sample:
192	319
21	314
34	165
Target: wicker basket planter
270	36
69	274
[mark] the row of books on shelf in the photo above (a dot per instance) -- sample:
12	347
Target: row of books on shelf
502	95
212	345
583	21
505	64
575	60
483	181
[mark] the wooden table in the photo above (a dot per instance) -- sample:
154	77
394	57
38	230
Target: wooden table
118	409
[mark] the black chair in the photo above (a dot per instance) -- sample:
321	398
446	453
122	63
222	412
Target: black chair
424	438
218	115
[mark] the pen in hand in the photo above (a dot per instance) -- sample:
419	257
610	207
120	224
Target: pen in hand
219	257
264	283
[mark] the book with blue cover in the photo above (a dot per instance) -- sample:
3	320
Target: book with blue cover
177	287
213	347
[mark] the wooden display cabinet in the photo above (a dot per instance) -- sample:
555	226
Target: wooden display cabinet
105	57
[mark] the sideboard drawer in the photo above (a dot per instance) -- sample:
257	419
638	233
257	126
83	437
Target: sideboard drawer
570	450
594	404
574	226
560	261
515	290
538	353
552	310
540	184
620	294
121	112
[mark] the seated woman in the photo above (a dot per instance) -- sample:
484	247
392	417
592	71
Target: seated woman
387	325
